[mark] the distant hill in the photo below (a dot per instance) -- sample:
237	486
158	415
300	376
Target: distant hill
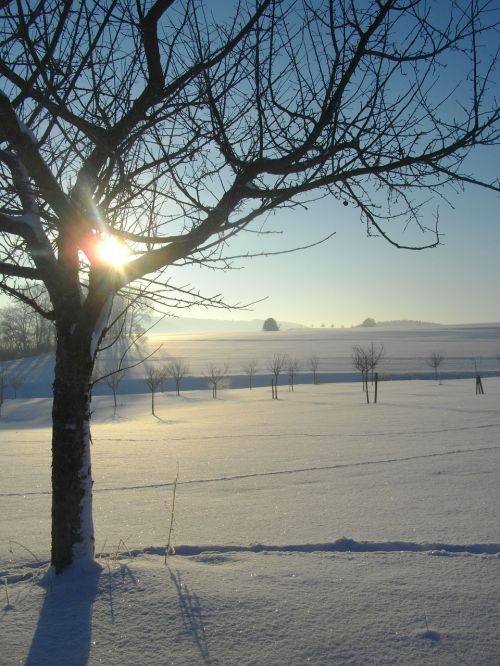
406	322
175	325
369	322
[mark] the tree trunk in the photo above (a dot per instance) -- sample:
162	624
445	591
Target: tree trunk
72	525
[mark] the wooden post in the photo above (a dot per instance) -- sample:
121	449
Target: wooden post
376	387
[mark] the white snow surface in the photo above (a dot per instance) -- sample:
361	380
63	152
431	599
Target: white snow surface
315	529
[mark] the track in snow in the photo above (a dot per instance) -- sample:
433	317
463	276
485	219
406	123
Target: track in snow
279	472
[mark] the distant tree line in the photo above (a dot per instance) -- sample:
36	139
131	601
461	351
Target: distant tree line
24	332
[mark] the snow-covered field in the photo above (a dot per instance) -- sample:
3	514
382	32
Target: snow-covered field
406	354
315	529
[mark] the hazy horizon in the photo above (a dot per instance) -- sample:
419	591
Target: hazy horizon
225	320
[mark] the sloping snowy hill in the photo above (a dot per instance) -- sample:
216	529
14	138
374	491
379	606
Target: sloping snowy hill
406	351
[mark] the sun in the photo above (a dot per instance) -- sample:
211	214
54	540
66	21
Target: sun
113	252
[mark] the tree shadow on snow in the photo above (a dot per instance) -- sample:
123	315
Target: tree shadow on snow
63	633
189	605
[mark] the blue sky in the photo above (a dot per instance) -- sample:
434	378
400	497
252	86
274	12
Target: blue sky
351	276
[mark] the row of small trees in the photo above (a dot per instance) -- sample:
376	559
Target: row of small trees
364	359
367	359
215	374
280	363
156	376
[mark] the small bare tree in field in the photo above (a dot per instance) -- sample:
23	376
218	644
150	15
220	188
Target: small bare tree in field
162	371
153	379
361	361
479	381
276	366
250	369
434	361
292	367
113	378
177	369
374	354
313	364
216	376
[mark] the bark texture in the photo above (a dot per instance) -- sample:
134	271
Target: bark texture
72	528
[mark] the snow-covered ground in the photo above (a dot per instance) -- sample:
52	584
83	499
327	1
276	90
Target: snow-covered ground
313	529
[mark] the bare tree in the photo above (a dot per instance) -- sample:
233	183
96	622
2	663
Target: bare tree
216	376
198	124
113	377
313	364
479	381
177	369
162	372
375	355
292	367
435	360
276	366
153	379
361	361
250	369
